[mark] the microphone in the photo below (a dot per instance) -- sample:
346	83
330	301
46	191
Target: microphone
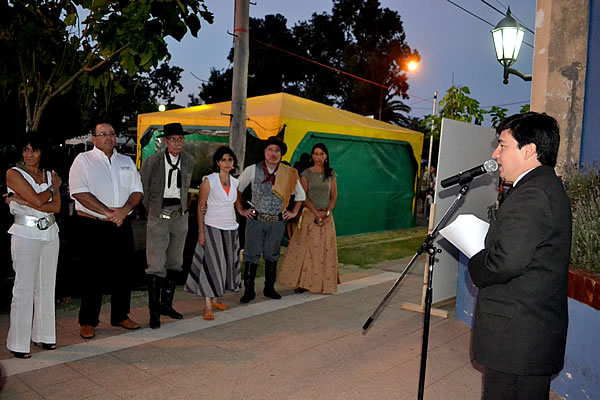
467	176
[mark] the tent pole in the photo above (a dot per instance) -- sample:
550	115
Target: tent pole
431	137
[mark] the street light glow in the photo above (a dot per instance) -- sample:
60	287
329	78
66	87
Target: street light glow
162	108
412	65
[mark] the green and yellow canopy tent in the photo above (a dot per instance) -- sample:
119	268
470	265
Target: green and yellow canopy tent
375	162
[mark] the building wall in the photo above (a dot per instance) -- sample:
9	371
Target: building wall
559	69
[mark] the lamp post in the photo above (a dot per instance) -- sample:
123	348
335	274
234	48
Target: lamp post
508	37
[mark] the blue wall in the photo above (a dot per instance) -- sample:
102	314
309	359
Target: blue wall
590	135
580	378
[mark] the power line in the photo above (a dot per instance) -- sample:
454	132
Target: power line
479	18
503	13
334	69
508	104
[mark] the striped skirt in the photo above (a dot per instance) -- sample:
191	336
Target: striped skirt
216	266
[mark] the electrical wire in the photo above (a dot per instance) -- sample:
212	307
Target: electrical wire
479	18
334	69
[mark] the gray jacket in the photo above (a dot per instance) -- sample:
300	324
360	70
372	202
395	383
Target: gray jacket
153	179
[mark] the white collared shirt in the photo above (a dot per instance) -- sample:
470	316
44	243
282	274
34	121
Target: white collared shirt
110	181
172	192
521	176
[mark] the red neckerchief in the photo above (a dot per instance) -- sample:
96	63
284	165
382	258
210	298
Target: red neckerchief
269	177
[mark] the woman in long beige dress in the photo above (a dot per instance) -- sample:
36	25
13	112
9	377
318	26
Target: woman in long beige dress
311	261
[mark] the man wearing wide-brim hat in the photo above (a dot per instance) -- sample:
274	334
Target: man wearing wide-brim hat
272	184
166	177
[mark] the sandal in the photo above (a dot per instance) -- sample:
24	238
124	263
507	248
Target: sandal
220	306
46	346
21	355
208	315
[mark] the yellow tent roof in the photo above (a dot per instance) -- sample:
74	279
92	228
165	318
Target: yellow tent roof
267	115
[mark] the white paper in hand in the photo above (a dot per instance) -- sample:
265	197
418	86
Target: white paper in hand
467	233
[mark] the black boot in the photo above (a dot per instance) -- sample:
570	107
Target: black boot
270	276
154	283
166	301
249	275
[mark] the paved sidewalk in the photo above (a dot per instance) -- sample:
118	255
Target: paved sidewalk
301	347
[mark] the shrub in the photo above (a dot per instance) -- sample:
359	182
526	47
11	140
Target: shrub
583	189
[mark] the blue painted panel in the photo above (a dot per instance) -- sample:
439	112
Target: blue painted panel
466	293
590	134
580	378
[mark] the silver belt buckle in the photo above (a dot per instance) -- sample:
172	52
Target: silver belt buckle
164	215
43	223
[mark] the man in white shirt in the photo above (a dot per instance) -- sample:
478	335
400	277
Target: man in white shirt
106	187
166	177
267	217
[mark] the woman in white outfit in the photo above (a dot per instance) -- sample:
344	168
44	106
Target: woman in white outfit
33	198
216	264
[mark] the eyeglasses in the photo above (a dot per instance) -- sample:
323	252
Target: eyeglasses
175	139
103	135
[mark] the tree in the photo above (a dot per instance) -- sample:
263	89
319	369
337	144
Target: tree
50	46
456	105
358	37
140	93
498	115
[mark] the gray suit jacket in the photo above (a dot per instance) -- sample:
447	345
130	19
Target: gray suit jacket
521	316
153	179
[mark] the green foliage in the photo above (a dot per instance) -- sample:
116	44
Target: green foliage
525	109
456	105
498	115
51	46
583	189
358	37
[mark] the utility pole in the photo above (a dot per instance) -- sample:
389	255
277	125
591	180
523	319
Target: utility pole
432	129
237	130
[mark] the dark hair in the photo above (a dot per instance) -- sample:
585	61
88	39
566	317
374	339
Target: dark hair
539	129
221	151
37	141
328	171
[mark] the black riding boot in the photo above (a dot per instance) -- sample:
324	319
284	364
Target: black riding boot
166	301
154	284
249	275
270	276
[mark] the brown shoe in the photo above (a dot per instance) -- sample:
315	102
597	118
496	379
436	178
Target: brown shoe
87	332
128	324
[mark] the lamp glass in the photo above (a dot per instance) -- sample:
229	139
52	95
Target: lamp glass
507	42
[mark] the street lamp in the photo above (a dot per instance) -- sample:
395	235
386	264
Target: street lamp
508	37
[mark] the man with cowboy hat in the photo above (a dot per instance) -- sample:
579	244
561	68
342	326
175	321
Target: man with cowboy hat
166	177
272	185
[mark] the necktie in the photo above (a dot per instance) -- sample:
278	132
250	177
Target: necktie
174	167
269	177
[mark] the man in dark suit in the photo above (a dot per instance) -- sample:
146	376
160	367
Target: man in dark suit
521	319
166	177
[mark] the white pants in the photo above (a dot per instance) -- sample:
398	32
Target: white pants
34	262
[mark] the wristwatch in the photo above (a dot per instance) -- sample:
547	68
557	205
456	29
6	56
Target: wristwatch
51	190
328	212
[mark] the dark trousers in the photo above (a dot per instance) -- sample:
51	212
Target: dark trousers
107	253
501	386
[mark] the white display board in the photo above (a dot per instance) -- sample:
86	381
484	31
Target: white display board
462	146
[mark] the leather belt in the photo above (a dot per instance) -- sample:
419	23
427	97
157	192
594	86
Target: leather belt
42	223
171	201
268	217
84	214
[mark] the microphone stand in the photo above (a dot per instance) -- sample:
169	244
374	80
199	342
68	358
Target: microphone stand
429	247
